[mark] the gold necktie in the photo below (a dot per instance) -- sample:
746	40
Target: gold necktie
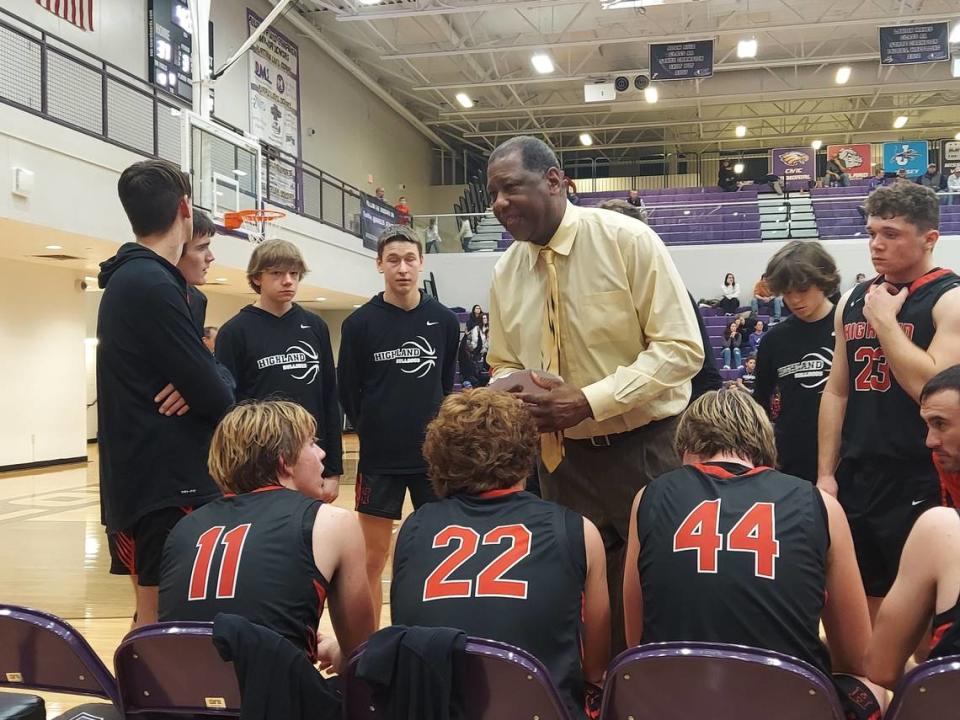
551	444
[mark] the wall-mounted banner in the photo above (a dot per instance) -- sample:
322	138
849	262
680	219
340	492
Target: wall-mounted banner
681	61
909	155
793	163
909	44
274	88
949	155
854	158
375	215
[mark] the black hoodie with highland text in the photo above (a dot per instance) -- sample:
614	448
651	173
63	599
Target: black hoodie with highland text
146	339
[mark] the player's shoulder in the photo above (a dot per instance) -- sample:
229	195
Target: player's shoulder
309	316
934	524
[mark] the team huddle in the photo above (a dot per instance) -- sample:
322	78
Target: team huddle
664	517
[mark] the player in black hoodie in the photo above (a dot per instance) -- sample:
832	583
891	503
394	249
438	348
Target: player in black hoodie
152	466
277	349
398	356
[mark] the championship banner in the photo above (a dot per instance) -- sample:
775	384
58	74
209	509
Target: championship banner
909	44
910	155
375	216
274	88
793	164
855	159
949	155
681	61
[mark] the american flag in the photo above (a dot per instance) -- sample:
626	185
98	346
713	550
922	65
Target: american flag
78	12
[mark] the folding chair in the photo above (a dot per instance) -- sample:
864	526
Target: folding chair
493	681
930	690
175	668
679	680
39	651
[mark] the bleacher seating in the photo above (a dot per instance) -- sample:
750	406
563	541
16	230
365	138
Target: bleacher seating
716	322
837	216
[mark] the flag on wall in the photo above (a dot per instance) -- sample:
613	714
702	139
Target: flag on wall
78	12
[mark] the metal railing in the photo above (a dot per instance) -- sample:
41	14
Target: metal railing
64	84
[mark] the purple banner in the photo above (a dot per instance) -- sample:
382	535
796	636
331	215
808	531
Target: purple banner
794	164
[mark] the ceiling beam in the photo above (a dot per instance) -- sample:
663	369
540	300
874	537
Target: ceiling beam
469	7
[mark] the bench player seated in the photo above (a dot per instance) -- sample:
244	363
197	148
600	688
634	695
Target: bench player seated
268	551
926	594
726	549
498	562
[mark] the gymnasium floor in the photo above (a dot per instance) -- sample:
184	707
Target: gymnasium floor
54	557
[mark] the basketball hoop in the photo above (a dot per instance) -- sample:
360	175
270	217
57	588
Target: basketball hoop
253	221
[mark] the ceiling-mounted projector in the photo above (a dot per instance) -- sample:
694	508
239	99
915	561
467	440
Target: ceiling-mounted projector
599	91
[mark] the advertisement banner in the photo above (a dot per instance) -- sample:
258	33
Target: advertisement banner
375	215
681	61
793	164
855	159
274	88
949	155
909	155
909	44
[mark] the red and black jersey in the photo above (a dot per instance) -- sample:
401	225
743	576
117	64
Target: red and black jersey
946	631
249	555
504	566
881	419
949	485
734	555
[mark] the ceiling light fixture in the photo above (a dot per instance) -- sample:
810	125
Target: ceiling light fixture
369	2
320	299
900	121
542	63
240	173
955	34
747	48
586	140
622	4
843	74
816	144
738	168
221	280
957	136
53	247
741	131
651	94
464	100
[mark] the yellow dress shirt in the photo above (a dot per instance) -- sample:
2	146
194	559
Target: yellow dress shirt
628	335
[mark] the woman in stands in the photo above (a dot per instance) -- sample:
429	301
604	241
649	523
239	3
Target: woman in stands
726	549
496	561
475	317
731	346
730	299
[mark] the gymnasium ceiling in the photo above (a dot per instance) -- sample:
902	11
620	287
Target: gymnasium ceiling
424	52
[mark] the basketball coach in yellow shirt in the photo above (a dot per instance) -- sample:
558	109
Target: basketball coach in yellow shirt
591	296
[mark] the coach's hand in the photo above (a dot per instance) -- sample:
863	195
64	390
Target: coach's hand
562	407
828	483
882	304
329	656
330	488
171	402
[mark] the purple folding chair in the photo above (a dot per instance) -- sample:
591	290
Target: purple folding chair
494	681
930	690
174	668
675	680
39	651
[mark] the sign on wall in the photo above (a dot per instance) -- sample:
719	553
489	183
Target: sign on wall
854	158
909	155
793	164
681	61
949	155
909	44
77	12
274	88
375	216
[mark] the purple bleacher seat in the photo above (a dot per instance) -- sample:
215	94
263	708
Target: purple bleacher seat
40	651
731	374
716	681
175	668
930	690
494	681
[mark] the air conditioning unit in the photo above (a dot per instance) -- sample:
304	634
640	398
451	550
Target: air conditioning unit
601	91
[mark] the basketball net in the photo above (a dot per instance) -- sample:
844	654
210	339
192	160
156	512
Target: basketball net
253	222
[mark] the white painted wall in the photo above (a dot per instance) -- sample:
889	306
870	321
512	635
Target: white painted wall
42	329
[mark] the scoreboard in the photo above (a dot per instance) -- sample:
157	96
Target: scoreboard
170	43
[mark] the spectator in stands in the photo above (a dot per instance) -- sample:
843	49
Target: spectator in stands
837	174
730	298
403	211
475	317
953	185
465	234
748	375
731	346
572	194
553	601
727	178
433	237
933	179
762	296
298	552
860	278
755	337
879	179
210	337
728	550
633	197
381	195
901	176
